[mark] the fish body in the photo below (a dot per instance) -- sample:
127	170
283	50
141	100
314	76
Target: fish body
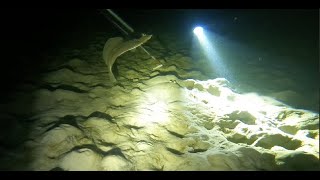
116	46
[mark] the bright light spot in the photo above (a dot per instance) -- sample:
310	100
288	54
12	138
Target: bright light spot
198	31
154	113
255	104
153	109
228	101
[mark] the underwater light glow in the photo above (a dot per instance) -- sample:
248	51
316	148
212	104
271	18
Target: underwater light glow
154	113
198	31
208	44
153	109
